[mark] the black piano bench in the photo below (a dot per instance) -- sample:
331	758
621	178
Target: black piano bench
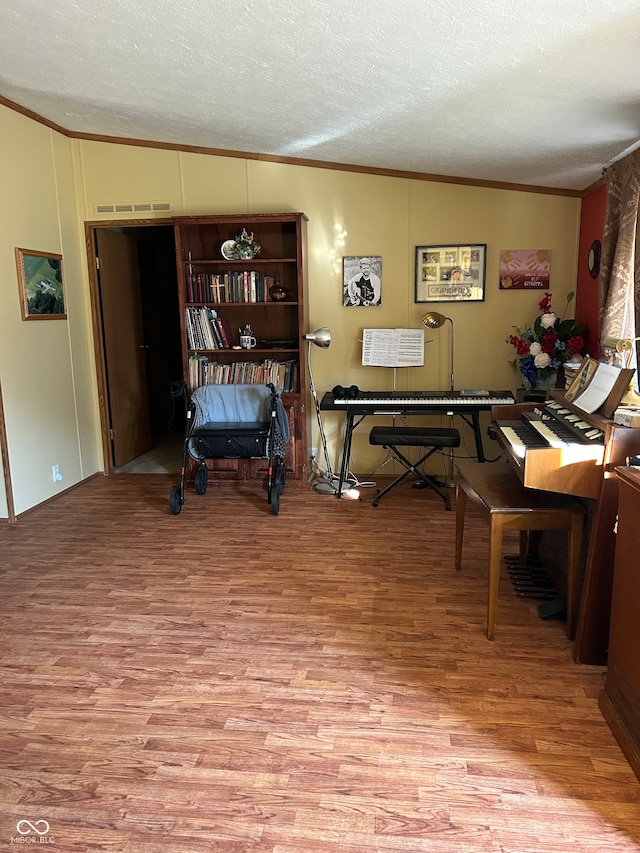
431	439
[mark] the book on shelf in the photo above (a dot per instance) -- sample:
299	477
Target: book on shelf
232	286
206	326
203	371
225	332
202	331
194	330
215	328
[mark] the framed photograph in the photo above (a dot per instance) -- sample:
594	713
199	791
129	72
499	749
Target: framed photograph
362	281
451	273
41	285
582	378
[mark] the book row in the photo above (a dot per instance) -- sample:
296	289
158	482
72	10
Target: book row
240	286
207	331
283	374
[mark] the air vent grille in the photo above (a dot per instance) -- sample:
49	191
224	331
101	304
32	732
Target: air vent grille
133	207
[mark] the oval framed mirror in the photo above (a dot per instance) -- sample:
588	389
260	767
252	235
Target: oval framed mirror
593	259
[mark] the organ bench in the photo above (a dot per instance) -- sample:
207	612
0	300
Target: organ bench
505	504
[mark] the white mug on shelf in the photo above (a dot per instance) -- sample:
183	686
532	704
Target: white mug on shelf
247	341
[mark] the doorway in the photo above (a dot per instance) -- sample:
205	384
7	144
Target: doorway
134	297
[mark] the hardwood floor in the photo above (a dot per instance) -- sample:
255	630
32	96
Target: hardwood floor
228	680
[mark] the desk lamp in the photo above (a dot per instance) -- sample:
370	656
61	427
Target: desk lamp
435	320
627	346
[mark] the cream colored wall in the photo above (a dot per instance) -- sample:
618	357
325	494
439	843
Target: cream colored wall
55	183
358	214
46	381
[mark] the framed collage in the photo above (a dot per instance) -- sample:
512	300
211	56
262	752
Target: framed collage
451	273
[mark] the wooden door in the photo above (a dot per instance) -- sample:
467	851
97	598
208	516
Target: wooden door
124	346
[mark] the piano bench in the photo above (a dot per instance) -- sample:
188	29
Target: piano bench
430	439
506	504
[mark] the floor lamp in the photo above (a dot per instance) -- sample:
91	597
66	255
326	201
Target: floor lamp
435	320
322	338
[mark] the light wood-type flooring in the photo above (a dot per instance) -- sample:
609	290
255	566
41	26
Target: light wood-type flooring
320	681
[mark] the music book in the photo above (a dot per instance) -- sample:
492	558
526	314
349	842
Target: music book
393	347
599	387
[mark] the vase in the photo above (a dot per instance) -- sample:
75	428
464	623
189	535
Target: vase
277	292
246	254
543	383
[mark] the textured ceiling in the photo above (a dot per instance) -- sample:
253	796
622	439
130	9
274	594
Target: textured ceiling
539	92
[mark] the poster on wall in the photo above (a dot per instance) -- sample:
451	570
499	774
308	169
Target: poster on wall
362	281
525	269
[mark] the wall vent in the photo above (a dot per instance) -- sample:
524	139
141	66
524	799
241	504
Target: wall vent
133	207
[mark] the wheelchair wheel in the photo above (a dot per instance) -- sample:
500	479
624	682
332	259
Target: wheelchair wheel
277	488
175	501
280	478
201	479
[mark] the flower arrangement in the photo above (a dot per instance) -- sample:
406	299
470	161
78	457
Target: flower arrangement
541	349
246	246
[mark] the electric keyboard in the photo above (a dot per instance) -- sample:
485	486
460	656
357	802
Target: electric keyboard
408	402
361	404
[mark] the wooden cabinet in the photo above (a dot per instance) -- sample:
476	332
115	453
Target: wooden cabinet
620	699
264	294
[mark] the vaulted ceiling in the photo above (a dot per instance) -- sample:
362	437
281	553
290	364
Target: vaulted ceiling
537	92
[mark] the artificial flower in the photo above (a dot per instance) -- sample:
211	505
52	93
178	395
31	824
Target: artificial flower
547	344
245	246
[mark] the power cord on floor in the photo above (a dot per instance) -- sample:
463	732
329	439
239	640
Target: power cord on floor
351	481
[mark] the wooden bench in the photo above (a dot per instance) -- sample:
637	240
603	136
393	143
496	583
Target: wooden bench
506	504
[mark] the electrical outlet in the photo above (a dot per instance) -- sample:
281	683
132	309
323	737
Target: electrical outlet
57	476
314	452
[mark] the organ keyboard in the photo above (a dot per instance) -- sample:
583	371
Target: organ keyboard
557	447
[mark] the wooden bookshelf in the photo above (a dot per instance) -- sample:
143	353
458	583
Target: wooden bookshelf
235	294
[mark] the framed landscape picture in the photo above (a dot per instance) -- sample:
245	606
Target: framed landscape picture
41	285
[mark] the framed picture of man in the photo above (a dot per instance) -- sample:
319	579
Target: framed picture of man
362	281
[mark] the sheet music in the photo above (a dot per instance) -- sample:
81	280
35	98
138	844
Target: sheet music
393	347
599	387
